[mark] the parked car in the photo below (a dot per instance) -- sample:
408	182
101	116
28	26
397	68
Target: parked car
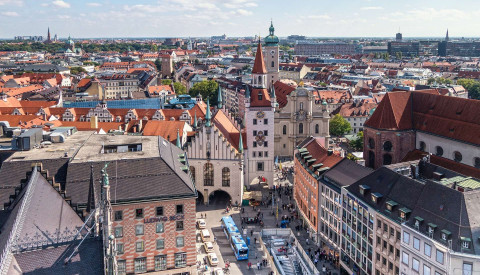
201	224
212	259
208	247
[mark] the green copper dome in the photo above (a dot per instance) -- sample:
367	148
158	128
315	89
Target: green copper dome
271	39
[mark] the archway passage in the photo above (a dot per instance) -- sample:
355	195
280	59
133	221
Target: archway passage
219	198
200	198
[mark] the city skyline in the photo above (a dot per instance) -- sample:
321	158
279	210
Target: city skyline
237	18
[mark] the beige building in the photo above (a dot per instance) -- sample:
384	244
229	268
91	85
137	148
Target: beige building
299	119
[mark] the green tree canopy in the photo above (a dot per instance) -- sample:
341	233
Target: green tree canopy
77	70
357	144
208	89
166	81
158	64
180	89
472	86
339	126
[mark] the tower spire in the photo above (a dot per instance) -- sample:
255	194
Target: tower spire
446	37
179	144
219	98
195	121
91	192
240	142
208	116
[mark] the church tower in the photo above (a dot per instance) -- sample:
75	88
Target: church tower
272	56
259	115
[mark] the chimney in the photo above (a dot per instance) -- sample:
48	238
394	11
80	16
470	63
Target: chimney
140	125
94	122
44	117
413	169
330	152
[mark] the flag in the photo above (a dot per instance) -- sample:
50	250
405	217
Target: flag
280	165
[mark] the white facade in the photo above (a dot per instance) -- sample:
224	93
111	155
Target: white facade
470	154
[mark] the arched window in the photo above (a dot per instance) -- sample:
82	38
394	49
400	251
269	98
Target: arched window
284	129
226	176
192	172
208	174
457	156
317	130
423	146
371	143
476	162
273	64
259	80
387	159
439	151
387	146
371	159
300	128
301	105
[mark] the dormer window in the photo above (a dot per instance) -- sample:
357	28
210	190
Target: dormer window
431	228
260	96
376	197
391	205
364	189
418	221
445	235
404	212
465	242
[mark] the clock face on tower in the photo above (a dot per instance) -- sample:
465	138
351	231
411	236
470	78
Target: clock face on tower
272	52
260	114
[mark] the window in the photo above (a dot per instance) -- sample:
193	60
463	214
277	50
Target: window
406	237
208	174
300	128
254	144
416	243
405	258
265	154
180	241
139	213
265	133
423	146
387	159
260	154
466	244
415	264
254	154
426	270
159	228
121	267
259	166
254	121
301	105
387	146
118	232
265	144
317	129
439	151
140	265
179	225
138	229
272	64
180	259
284	129
160	244
379	224
226	176
476	162
161	262
254	132
457	156
265	121
139	246
467	269
179	208
119	248
439	257
119	215
427	250
371	143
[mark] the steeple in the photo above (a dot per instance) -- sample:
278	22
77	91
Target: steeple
179	143
219	98
271	29
208	116
91	192
259	65
48	35
195	121
446	37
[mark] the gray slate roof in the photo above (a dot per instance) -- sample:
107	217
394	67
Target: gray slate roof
346	172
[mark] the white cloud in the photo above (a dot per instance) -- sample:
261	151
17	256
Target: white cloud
63	17
94	4
61	4
11	2
9	13
319	16
371	8
244	12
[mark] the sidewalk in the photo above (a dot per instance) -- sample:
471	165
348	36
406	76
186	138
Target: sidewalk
270	221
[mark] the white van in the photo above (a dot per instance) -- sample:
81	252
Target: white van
205	234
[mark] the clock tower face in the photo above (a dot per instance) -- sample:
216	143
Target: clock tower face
272	52
260	114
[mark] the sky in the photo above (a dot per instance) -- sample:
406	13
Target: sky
202	18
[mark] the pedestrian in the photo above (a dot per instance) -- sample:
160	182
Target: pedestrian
249	265
205	216
255	240
324	269
258	265
251	233
306	241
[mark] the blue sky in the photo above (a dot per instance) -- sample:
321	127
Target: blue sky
182	18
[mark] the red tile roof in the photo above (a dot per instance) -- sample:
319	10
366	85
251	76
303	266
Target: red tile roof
229	130
255	100
393	112
259	65
282	90
166	129
320	154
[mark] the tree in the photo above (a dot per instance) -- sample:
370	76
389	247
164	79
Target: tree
180	89
158	64
166	81
77	70
357	144
208	89
472	86
351	157
339	126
